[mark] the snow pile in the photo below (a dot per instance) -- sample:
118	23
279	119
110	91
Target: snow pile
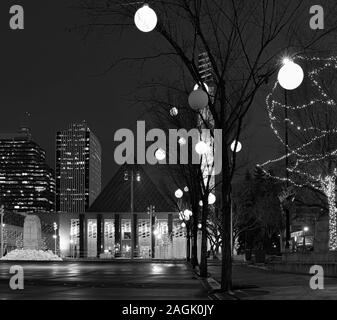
31	255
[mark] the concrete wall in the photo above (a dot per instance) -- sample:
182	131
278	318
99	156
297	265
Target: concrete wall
330	269
310	257
301	262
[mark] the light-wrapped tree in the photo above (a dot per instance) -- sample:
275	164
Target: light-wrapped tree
308	118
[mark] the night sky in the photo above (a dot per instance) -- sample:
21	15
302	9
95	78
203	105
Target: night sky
56	75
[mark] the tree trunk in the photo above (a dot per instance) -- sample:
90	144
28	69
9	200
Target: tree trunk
226	268
203	258
332	221
217	247
328	185
194	257
188	245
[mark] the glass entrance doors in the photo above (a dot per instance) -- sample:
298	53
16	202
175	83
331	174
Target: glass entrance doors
126	238
92	238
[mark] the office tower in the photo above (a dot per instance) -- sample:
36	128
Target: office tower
78	168
27	183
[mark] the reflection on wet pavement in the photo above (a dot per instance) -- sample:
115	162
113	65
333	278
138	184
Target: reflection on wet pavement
95	280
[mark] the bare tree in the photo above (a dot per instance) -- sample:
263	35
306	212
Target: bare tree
169	112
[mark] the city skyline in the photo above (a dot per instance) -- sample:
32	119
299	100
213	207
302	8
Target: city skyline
91	91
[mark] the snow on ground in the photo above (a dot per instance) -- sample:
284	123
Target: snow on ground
31	255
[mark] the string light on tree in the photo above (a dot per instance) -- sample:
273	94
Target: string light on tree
328	186
309	154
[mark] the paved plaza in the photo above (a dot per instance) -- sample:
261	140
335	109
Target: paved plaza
97	280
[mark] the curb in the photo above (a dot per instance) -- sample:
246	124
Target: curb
214	287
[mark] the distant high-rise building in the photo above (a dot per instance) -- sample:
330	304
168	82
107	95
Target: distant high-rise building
27	183
78	168
205	68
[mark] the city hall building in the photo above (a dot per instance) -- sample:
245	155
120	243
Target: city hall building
129	219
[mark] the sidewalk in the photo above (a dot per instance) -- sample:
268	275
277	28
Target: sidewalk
259	283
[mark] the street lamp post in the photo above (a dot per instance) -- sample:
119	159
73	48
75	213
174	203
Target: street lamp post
132	217
287	172
2	212
290	77
55	237
305	230
151	211
133	235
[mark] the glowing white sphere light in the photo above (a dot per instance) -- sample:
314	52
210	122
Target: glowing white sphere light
145	18
187	214
290	75
186	189
211	198
179	193
174	112
238	146
199	225
202	148
198	99
160	154
183	224
182	141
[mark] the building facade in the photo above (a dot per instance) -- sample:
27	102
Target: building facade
130	218
78	168
110	235
27	183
